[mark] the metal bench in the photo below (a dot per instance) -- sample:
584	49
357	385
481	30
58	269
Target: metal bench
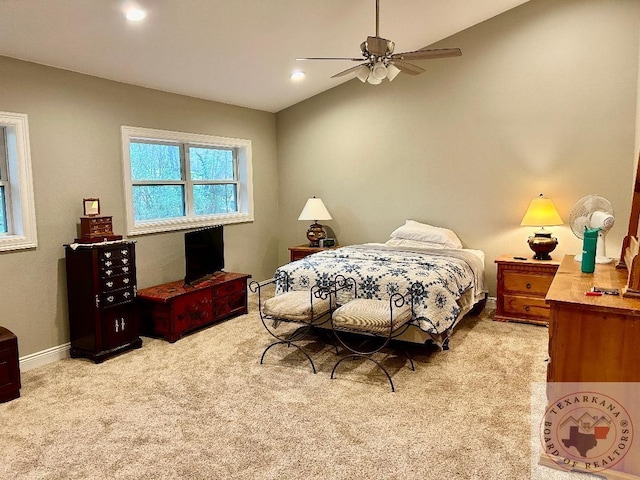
308	308
382	319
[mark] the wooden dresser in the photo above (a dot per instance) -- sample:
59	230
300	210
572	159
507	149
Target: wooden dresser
592	339
522	287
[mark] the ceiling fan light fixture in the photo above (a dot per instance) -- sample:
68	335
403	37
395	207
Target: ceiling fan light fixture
379	71
363	73
392	72
373	80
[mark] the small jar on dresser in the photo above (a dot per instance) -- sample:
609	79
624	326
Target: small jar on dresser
522	286
101	291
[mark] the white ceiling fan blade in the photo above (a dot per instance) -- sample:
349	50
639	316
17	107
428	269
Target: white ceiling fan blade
408	67
427	54
348	71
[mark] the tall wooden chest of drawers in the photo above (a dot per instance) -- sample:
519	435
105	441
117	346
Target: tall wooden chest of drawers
101	291
522	287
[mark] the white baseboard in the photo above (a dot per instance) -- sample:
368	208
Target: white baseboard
44	357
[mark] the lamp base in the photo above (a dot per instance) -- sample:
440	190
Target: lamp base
542	244
315	233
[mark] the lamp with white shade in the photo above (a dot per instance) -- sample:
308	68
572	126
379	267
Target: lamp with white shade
315	210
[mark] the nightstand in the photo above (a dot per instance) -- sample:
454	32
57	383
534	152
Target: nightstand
522	287
301	251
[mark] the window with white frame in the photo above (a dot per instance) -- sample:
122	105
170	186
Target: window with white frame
177	180
4	182
17	210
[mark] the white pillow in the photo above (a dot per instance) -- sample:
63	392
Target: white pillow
422	232
402	242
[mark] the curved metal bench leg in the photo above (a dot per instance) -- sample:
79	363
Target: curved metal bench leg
367	358
334	343
406	354
288	344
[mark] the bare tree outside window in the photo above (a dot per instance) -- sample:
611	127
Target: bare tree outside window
175	181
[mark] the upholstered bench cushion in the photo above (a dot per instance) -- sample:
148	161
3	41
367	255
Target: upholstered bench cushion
296	306
370	316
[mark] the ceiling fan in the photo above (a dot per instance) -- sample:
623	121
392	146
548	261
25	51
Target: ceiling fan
380	62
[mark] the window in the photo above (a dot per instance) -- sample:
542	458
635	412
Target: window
180	180
17	211
4	182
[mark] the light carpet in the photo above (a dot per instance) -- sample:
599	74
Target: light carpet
204	408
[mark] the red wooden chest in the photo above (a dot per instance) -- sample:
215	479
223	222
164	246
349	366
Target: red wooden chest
172	309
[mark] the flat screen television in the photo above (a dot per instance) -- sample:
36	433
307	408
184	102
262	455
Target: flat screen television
203	252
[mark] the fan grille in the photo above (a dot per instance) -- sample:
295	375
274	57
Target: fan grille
582	214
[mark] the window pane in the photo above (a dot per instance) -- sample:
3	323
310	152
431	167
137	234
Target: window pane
158	201
210	199
3	212
211	164
152	161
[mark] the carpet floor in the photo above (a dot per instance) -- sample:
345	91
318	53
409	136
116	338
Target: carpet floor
204	408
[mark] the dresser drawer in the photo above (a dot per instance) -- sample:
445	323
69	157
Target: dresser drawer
296	256
115	255
523	306
117	297
230	304
527	283
117	282
228	288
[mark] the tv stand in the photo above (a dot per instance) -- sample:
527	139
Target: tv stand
173	309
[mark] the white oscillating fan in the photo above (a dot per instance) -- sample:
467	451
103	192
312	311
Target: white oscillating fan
593	211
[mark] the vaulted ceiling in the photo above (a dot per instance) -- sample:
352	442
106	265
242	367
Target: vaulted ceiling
239	52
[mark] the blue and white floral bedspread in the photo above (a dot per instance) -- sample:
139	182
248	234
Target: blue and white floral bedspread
380	271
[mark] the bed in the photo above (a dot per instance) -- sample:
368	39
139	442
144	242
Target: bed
452	276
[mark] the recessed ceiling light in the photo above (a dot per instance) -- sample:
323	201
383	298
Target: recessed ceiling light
135	14
297	76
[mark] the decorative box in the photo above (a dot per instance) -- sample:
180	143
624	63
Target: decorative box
96	229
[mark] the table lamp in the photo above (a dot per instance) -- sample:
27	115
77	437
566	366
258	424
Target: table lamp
542	213
315	210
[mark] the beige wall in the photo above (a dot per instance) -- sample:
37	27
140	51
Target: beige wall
74	125
542	100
